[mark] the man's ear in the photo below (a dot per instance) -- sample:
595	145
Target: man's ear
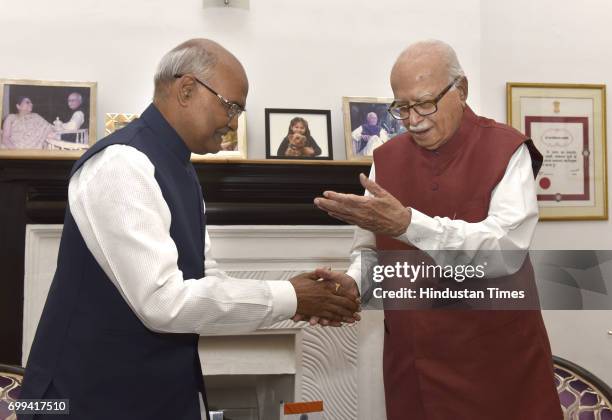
185	89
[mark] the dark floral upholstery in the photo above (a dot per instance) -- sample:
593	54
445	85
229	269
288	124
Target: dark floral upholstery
10	385
583	396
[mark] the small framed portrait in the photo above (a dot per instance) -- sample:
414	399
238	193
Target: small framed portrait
46	120
114	121
567	124
298	134
233	143
367	125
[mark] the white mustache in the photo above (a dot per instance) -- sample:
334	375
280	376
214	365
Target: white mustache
418	128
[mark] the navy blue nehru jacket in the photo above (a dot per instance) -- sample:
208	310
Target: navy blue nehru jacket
90	347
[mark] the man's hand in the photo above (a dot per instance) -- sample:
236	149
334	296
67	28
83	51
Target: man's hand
323	299
379	213
345	282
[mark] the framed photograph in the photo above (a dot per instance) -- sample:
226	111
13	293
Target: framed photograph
567	124
367	125
114	121
233	146
46	120
298	134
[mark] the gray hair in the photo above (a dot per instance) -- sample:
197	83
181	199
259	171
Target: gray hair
78	96
189	57
447	52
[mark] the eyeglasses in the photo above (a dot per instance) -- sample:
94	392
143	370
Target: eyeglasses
401	111
233	109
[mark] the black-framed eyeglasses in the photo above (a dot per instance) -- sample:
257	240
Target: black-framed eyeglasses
401	111
233	109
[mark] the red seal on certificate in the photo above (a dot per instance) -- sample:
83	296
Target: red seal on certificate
545	183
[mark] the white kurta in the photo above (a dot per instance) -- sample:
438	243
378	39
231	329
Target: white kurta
119	209
373	142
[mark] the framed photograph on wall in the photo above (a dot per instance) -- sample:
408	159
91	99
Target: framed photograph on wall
567	123
115	121
233	144
46	120
367	125
298	134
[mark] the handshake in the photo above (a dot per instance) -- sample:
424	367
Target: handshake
326	297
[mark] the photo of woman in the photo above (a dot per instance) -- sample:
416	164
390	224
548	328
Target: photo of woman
298	141
291	134
25	129
43	118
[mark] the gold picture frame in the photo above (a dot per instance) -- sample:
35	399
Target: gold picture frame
355	110
234	139
115	121
53	119
567	123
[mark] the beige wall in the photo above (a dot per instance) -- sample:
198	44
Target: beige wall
297	53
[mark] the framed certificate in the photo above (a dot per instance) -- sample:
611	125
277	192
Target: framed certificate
567	124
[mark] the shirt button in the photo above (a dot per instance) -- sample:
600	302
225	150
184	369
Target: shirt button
434	186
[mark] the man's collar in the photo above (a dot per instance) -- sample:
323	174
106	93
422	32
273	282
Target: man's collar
168	135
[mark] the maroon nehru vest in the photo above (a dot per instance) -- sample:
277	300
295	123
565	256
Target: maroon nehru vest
461	364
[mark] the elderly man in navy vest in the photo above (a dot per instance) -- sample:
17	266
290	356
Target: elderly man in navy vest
455	181
136	285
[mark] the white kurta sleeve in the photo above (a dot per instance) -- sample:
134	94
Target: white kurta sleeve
364	243
356	134
125	222
77	120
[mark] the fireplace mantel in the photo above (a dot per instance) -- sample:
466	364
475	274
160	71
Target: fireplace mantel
236	192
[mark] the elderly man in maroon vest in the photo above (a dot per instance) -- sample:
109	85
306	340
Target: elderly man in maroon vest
455	181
